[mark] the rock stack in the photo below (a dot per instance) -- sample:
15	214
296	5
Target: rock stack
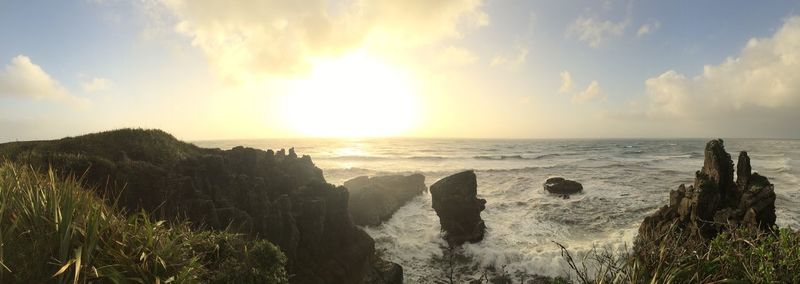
715	202
455	201
374	200
562	186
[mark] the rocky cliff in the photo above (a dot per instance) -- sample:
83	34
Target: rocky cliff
713	203
274	195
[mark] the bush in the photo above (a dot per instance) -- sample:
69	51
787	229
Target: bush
52	230
739	254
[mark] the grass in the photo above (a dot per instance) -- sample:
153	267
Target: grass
738	255
53	230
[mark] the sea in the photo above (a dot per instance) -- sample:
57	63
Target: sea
624	180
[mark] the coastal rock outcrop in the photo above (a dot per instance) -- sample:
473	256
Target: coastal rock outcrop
455	201
714	202
277	196
374	199
561	186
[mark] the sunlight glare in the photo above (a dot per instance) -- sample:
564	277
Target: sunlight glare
352	96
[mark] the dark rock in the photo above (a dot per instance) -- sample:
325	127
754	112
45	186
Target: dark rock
374	200
459	210
713	203
384	272
562	187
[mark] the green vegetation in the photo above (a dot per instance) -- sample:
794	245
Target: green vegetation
737	255
53	230
153	145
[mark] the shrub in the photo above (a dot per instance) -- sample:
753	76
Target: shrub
739	254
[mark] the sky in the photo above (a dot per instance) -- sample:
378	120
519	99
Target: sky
416	68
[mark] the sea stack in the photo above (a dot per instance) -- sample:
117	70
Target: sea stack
455	201
562	186
714	201
375	199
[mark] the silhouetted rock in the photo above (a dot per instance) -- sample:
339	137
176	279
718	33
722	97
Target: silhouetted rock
714	201
385	272
264	194
374	200
561	186
459	210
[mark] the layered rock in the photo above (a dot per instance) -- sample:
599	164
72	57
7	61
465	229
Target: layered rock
714	202
561	186
273	195
455	201
375	199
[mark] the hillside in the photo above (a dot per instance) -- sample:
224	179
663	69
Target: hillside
277	196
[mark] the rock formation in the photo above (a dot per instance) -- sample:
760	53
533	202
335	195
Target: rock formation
374	200
266	194
714	201
459	210
561	186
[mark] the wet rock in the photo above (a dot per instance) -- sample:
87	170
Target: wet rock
714	201
455	201
562	187
374	200
384	272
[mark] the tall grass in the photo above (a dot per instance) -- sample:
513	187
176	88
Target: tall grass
52	230
737	255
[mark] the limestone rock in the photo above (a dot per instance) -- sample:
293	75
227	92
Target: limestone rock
714	201
561	186
455	201
374	200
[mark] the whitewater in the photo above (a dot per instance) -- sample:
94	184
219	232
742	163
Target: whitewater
624	181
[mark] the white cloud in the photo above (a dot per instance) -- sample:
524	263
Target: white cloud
566	83
247	38
511	60
23	79
96	85
648	28
591	93
596	32
763	76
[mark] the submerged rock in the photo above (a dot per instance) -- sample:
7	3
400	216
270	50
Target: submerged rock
455	201
714	202
561	186
374	200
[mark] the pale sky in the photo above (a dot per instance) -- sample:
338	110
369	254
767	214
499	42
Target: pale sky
415	68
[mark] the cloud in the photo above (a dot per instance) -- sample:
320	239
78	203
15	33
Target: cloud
22	78
596	32
511	60
96	85
591	93
250	38
566	83
648	28
763	78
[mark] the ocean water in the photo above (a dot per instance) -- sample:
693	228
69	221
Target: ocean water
624	181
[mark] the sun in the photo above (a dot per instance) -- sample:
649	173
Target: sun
352	96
